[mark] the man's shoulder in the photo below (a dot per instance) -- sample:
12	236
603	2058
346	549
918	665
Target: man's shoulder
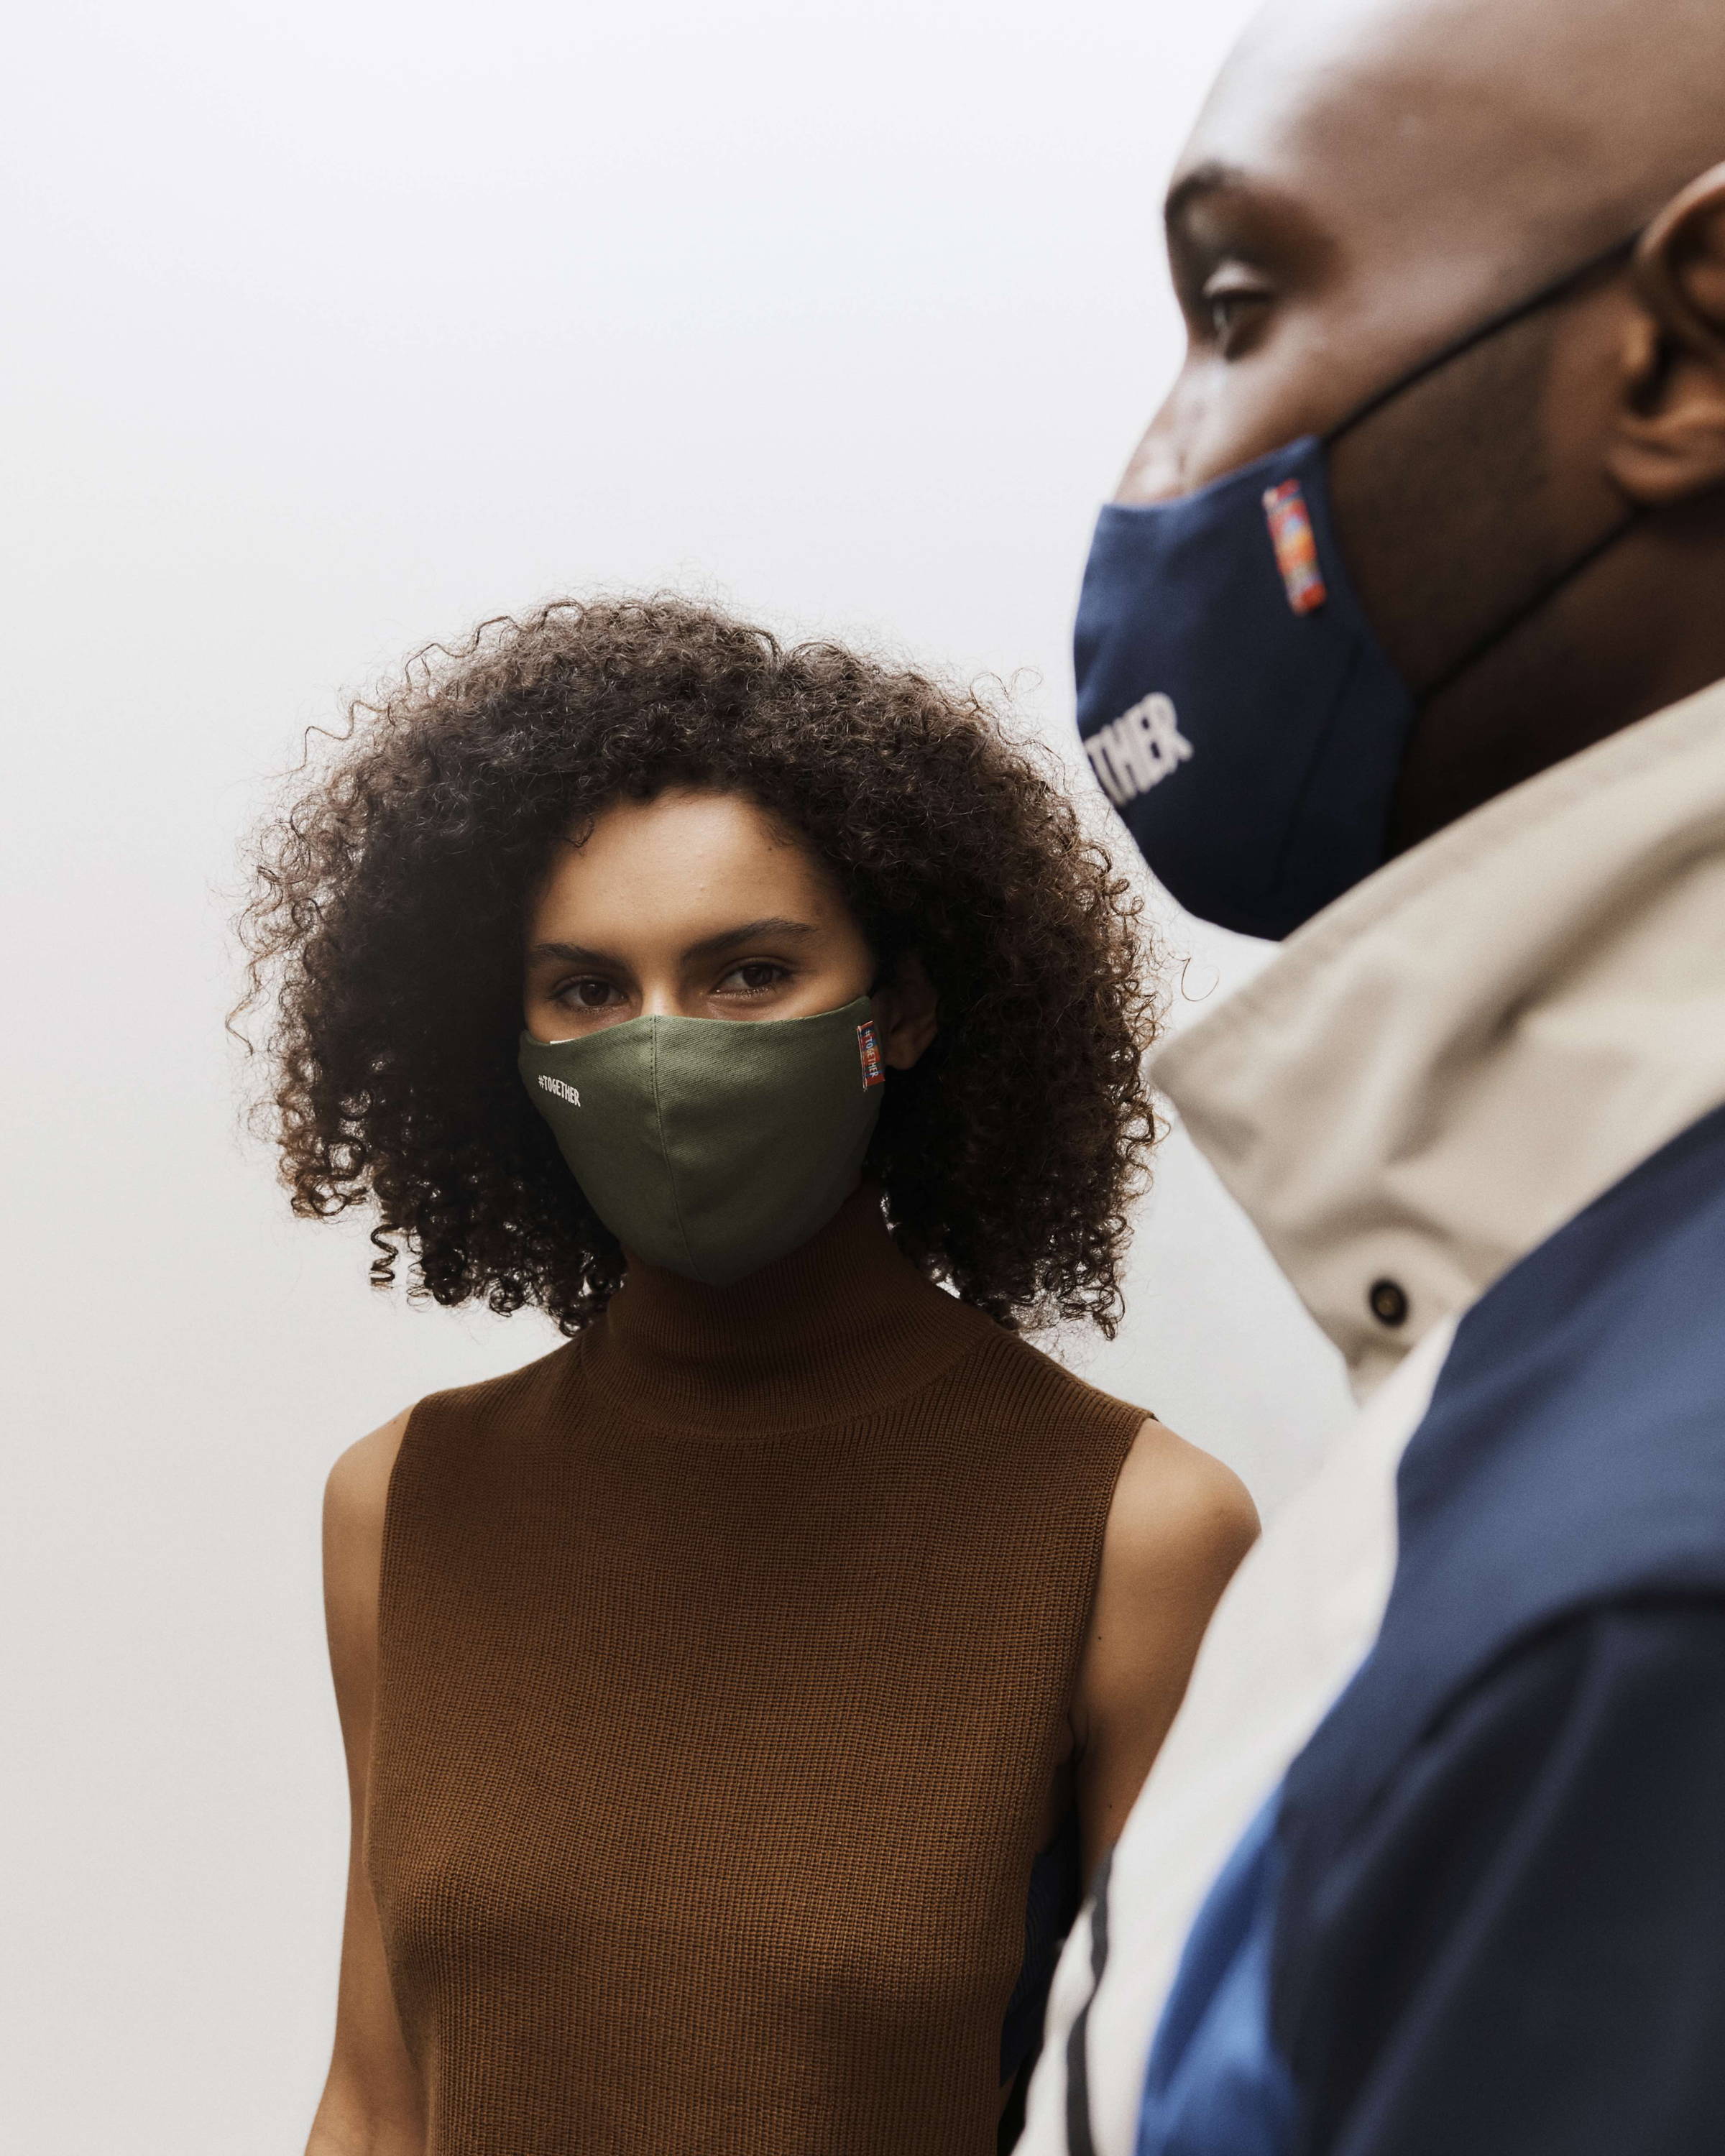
1578	1426
1512	1922
1572	1457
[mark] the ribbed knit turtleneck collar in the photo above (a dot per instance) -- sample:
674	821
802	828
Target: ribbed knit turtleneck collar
843	1324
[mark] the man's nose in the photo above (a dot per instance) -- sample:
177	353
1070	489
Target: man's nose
1156	470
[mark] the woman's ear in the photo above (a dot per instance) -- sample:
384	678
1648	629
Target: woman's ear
905	1004
1670	435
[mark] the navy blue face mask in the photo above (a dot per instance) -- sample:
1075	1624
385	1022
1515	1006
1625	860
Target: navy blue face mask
1234	698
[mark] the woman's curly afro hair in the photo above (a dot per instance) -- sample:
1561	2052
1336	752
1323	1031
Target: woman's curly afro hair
388	911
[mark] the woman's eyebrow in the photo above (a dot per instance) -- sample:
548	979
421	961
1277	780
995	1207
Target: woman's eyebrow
569	954
751	932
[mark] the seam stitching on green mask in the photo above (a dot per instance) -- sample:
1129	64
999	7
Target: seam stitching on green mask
663	1147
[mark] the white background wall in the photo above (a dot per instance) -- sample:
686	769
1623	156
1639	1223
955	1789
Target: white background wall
331	328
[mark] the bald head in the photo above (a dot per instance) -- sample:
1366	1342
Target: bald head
1533	130
1370	182
1427	162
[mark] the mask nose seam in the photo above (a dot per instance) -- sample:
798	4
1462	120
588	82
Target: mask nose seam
665	1150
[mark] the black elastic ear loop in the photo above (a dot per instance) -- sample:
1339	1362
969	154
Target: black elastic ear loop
1545	296
1542	597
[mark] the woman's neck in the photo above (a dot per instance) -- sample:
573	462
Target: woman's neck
815	1337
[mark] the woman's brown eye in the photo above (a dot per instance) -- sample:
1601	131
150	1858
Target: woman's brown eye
752	977
592	995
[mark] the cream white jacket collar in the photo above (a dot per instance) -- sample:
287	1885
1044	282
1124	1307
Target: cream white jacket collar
1460	1054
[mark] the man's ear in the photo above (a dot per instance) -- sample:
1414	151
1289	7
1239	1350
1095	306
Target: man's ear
1670	438
906	1006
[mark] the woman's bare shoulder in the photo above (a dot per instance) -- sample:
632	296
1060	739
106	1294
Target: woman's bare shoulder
357	1491
1178	1525
356	1501
1179	1517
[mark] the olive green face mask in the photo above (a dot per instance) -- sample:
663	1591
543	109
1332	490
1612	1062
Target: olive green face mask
712	1146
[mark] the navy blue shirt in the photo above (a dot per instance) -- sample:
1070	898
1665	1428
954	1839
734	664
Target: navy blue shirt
1521	1951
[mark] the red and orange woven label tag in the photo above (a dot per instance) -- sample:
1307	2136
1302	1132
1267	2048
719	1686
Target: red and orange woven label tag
868	1047
1296	546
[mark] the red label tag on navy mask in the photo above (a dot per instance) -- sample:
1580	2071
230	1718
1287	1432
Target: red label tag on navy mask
1291	535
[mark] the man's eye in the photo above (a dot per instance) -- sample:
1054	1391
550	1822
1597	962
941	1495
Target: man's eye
1231	306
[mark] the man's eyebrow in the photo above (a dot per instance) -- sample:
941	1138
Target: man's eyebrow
751	932
1192	187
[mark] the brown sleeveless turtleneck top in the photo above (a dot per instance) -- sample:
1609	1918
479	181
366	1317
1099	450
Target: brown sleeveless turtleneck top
725	1658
